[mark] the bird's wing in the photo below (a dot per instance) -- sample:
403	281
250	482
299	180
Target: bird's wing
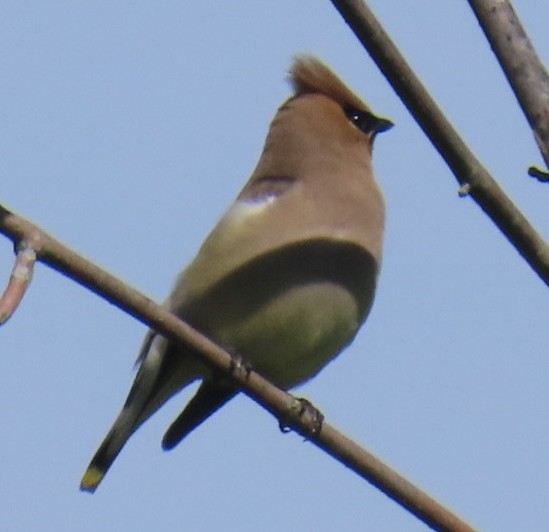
211	396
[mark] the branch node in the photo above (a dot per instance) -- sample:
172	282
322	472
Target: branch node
464	190
541	175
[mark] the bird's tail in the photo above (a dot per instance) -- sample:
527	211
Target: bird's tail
160	376
110	448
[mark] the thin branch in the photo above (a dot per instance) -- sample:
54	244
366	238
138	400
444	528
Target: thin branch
468	171
520	63
20	278
277	402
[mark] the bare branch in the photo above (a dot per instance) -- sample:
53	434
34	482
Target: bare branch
468	171
520	63
277	402
20	279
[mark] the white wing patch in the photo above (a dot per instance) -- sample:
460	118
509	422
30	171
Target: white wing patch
242	209
257	196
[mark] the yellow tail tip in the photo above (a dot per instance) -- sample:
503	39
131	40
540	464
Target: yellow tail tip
91	479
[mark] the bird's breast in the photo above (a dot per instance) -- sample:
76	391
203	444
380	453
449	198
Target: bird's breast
290	310
294	335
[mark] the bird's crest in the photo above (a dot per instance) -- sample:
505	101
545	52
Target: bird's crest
310	75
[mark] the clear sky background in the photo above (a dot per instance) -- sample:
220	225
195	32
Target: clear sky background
126	129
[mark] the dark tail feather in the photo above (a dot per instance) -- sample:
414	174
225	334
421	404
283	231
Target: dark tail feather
107	452
151	389
210	397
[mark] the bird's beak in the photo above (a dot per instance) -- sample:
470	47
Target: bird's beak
382	124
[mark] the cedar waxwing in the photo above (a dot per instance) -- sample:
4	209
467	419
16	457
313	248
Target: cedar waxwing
287	276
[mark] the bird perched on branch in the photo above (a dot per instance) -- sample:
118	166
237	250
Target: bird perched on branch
287	276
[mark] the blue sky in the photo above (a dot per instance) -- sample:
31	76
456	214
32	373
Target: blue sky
126	129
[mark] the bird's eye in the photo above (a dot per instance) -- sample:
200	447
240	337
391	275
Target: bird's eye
367	122
362	120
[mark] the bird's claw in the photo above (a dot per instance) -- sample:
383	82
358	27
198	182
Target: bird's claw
239	368
304	415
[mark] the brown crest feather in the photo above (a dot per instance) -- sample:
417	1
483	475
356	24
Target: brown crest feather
310	75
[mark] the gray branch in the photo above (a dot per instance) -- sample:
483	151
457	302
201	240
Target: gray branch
279	403
520	63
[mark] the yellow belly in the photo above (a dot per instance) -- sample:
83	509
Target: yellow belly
290	338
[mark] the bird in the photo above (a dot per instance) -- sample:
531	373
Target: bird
287	276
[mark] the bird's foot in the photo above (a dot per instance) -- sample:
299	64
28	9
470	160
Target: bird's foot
302	416
240	368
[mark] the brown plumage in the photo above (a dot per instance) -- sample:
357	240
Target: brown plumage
288	275
309	75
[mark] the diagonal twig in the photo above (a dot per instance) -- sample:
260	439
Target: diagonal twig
520	63
19	281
